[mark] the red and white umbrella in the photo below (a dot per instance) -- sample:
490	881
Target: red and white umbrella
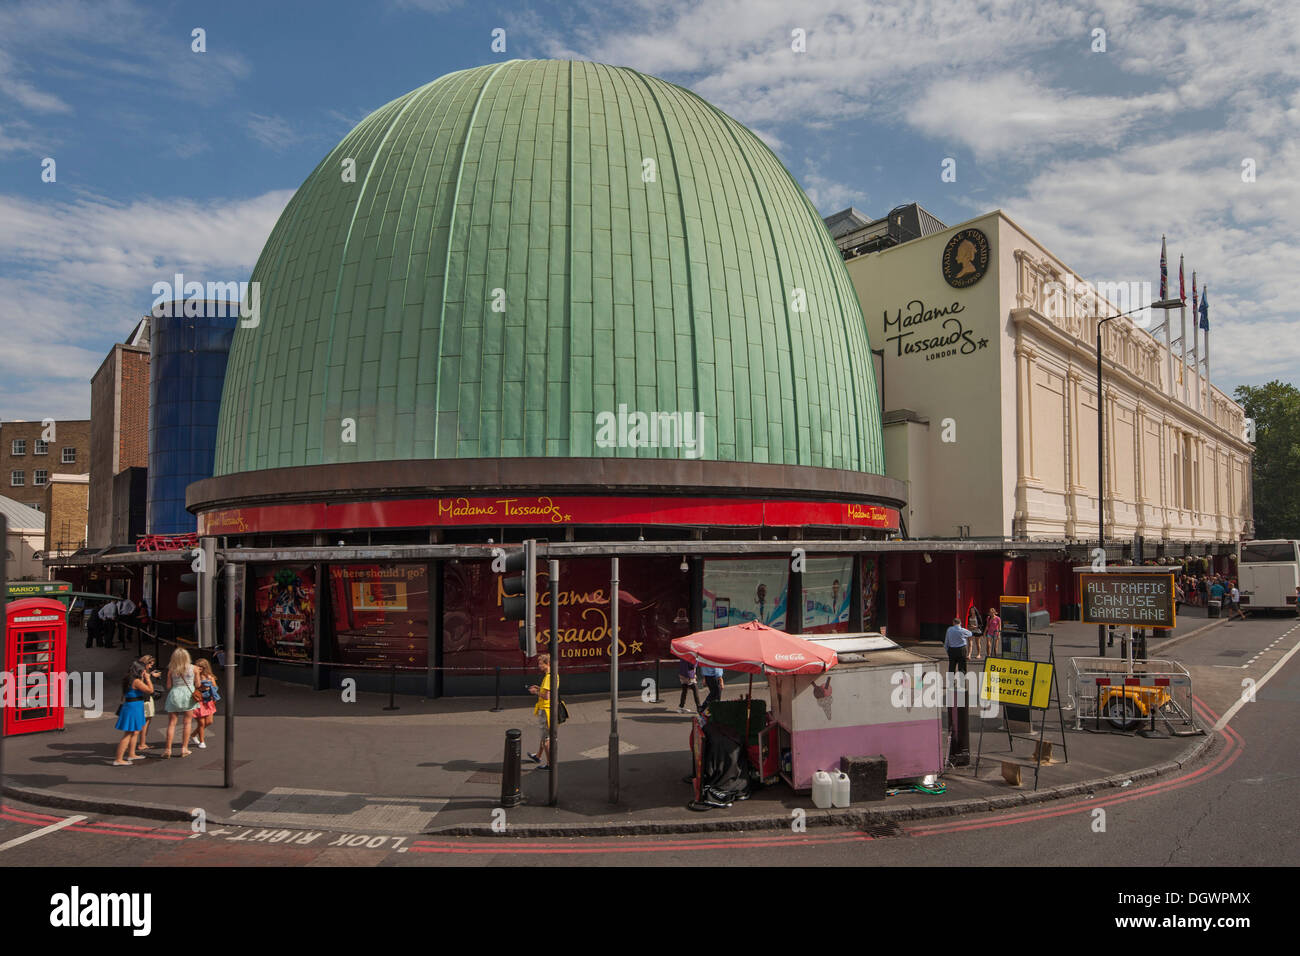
754	648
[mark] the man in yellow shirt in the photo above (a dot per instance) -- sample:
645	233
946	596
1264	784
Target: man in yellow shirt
543	711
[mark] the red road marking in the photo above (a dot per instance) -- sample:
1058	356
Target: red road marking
44	817
519	846
1221	762
148	836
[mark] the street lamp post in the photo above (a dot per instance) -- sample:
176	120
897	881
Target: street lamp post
1101	477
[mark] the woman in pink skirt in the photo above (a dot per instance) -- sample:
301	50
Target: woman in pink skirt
207	708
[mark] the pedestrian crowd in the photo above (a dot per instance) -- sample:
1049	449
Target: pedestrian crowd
189	696
1199	590
102	622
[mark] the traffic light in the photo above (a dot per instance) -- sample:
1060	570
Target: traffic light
519	601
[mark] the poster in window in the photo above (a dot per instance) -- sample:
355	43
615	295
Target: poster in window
285	607
827	583
381	614
870	592
740	590
653	599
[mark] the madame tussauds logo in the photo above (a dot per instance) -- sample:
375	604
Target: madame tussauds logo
949	337
624	429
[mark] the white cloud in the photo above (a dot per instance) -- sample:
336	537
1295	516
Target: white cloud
828	196
273	132
85	42
1011	115
82	272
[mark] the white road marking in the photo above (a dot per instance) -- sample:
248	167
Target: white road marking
1232	711
40	833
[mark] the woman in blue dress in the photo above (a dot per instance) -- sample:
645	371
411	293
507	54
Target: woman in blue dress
136	686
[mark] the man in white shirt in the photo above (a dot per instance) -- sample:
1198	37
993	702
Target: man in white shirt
955	642
107	624
1234	595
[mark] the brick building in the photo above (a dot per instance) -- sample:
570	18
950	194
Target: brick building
31	452
65	507
119	426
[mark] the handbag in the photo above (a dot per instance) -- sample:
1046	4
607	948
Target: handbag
564	711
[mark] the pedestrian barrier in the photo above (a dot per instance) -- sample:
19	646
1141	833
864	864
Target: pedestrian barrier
1103	689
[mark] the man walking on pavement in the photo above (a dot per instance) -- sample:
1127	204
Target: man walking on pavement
955	642
1235	597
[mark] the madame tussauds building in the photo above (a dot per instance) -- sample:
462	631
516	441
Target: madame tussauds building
551	300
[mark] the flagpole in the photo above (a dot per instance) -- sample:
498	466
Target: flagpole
1207	344
1169	355
1196	360
1182	348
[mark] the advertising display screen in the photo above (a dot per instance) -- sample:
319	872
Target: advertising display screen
381	614
654	595
285	611
737	590
827	583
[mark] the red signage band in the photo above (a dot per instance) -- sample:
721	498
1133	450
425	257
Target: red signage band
543	510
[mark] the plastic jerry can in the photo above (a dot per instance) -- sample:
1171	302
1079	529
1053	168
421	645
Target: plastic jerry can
840	789
821	789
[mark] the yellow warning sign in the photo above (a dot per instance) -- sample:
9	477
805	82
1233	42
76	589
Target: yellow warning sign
1024	683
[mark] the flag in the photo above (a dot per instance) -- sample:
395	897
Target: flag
1205	309
1164	271
1182	289
1194	293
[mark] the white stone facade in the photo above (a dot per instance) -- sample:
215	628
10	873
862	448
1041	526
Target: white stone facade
1010	448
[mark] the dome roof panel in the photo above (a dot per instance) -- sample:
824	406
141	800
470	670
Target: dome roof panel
502	262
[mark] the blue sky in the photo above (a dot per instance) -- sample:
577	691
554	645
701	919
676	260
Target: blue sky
169	160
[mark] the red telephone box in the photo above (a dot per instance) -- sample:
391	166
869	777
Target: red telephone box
36	649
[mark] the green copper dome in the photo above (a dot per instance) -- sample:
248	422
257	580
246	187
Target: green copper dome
491	265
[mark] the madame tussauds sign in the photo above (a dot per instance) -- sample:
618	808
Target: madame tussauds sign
937	332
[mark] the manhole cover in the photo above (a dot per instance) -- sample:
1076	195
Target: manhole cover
882	830
1232	653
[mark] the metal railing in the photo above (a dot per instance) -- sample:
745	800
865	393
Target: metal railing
1103	692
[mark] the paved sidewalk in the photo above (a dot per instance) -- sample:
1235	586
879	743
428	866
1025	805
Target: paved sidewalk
306	759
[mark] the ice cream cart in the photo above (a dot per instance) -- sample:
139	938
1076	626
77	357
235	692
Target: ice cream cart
872	702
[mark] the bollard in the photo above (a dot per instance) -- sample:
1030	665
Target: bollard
510	793
257	679
497	708
392	687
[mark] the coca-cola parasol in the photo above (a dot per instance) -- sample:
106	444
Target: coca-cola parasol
754	648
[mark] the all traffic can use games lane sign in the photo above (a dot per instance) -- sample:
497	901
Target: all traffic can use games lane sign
1140	600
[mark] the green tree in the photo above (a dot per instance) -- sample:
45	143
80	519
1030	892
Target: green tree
1275	408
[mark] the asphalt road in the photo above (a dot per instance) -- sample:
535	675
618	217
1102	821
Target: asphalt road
1235	808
